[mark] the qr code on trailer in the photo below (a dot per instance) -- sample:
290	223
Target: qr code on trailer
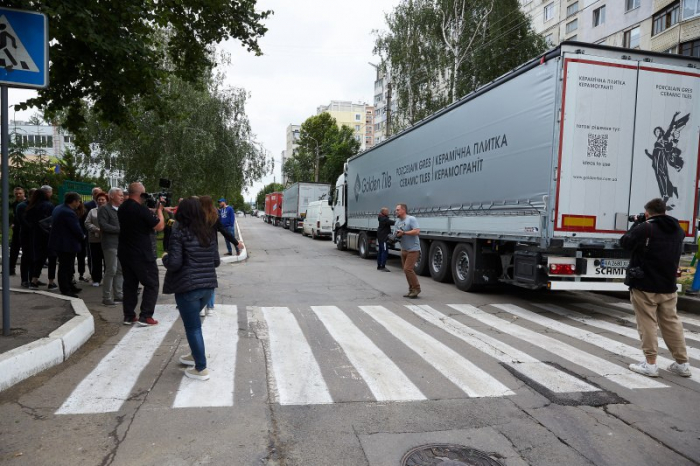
597	145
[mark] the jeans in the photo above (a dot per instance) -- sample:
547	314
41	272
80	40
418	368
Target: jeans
113	276
146	273
232	230
382	253
189	304
210	303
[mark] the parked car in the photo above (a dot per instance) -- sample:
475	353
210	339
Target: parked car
319	220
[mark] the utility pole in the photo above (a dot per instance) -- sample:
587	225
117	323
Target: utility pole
388	110
318	160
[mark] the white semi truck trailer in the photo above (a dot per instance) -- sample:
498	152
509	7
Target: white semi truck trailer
531	179
296	200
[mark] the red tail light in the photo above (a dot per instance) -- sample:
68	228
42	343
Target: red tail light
562	269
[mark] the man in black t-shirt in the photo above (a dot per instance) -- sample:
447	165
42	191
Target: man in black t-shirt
136	255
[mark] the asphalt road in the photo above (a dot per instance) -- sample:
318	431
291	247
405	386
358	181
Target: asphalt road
316	359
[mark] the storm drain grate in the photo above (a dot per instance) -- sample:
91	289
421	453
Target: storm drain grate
442	454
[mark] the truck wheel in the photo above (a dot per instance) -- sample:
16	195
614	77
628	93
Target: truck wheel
421	267
363	245
340	241
463	267
440	261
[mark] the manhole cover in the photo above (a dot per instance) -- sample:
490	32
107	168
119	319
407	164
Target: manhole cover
448	455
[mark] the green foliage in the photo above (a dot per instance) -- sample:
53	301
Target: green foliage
267	189
237	202
334	145
113	52
203	144
437	51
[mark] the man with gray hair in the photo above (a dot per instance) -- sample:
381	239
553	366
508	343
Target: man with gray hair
112	283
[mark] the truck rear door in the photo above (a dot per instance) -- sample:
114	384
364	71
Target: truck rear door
628	133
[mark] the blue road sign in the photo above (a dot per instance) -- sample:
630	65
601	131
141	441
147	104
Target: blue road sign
24	49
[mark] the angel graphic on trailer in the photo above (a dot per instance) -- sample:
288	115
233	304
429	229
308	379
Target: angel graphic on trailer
665	153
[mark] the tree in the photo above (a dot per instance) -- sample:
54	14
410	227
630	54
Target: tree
203	145
267	189
436	51
321	139
110	53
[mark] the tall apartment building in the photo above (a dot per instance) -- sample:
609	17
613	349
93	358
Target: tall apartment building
381	99
350	114
671	26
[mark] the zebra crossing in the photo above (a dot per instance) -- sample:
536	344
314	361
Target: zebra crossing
389	351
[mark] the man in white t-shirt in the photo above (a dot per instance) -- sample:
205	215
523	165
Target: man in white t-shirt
407	232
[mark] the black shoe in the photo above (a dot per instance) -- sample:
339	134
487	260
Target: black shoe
384	269
33	286
25	284
52	286
229	254
40	283
70	295
75	289
379	267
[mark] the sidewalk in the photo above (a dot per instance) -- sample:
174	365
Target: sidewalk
47	328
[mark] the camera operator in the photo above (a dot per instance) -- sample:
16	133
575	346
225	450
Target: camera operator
137	255
656	242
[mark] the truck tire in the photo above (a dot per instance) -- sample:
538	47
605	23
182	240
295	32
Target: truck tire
421	267
340	241
363	246
463	262
440	261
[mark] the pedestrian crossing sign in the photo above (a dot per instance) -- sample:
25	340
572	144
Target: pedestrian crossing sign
24	49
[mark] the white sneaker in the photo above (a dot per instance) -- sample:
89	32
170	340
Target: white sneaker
210	311
193	373
680	369
187	360
644	368
95	284
202	313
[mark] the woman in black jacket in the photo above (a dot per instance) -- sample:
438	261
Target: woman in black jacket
190	263
40	208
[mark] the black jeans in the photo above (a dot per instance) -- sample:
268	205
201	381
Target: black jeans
95	259
14	249
146	273
81	258
66	269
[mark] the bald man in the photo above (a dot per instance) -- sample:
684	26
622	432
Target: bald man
136	255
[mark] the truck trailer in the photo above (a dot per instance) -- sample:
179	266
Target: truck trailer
273	208
296	201
531	180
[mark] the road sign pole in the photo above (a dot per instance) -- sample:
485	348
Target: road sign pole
4	130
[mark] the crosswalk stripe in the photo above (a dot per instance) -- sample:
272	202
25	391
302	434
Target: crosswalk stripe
109	385
615	328
297	375
544	374
583	335
684	318
220	332
694	336
468	377
384	378
619	375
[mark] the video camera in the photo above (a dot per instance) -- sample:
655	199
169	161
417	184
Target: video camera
164	197
639	218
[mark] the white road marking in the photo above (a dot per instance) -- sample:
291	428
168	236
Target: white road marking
220	332
468	377
297	374
384	378
627	317
606	369
109	385
594	339
550	377
615	328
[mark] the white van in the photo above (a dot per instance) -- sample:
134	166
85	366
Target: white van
319	219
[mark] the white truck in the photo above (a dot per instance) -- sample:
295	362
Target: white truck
296	199
531	179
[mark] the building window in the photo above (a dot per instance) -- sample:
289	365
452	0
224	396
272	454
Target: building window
599	16
631	4
691	8
671	50
691	49
358	117
548	12
666	18
549	39
572	9
572	26
632	38
357	127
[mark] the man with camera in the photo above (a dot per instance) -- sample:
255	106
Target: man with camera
656	241
407	231
137	256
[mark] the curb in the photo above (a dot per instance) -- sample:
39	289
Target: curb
30	359
225	259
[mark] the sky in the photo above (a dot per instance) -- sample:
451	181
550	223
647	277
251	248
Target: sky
314	51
